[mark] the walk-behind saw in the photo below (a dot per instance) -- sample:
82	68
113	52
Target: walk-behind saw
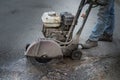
58	40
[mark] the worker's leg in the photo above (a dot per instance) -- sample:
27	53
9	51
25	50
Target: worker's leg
102	20
109	28
99	28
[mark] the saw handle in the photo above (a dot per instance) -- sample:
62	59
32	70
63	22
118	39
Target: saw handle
75	20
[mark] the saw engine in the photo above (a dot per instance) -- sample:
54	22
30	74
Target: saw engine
56	26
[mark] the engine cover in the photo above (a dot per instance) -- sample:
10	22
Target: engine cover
51	19
57	26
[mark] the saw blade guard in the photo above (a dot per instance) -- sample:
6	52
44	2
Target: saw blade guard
44	49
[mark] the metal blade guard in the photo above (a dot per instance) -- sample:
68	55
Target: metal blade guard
44	48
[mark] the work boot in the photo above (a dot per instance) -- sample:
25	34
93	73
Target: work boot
89	44
106	37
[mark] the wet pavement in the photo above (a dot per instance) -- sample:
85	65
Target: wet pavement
20	23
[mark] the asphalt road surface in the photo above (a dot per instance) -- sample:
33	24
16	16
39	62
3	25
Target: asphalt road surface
20	23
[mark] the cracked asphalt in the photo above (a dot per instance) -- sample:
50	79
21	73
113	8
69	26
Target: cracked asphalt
20	23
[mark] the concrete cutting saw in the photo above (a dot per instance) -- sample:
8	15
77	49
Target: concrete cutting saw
58	40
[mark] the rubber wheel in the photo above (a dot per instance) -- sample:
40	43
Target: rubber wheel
76	55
